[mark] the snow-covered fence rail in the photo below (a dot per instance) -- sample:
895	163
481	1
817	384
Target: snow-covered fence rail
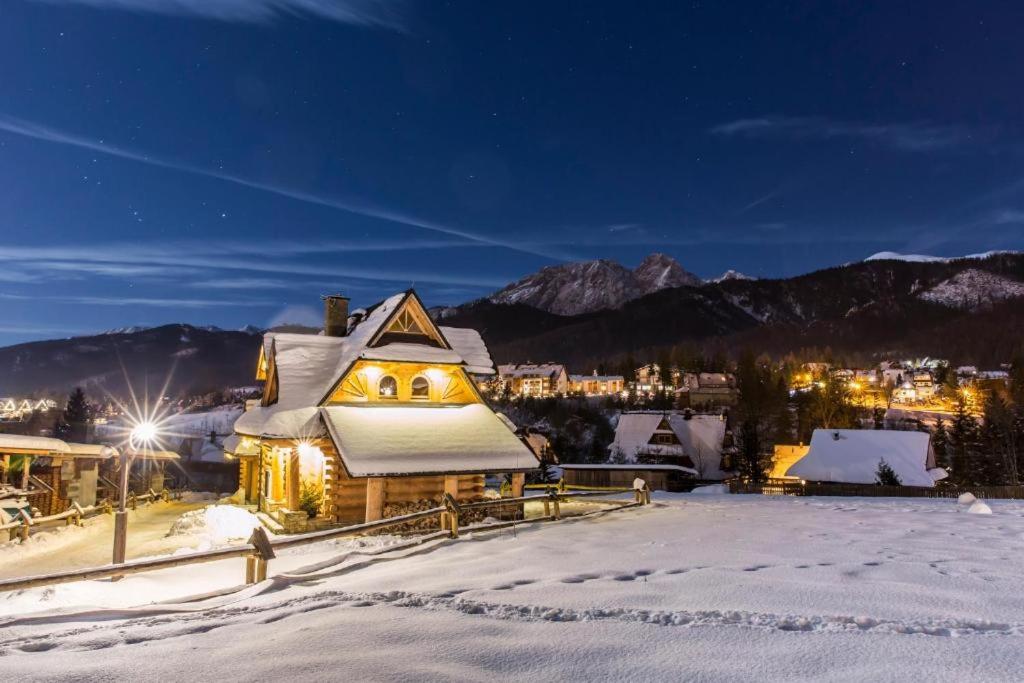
25	522
260	549
795	488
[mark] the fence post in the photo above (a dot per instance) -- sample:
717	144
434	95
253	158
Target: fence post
452	509
256	563
26	525
131	501
556	503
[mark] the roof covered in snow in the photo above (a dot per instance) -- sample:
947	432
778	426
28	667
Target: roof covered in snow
633	467
531	370
47	445
699	436
852	456
308	366
398	440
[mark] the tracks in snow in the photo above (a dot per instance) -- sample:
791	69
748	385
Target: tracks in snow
148	629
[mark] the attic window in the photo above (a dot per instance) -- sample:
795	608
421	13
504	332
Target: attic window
405	323
388	387
420	388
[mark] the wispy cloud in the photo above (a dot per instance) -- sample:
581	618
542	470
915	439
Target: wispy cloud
1008	216
912	136
137	301
757	202
359	207
175	258
378	13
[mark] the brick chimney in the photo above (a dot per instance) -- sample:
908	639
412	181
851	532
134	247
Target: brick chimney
335	315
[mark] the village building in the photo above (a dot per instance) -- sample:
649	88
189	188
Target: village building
609	475
597	385
649	378
710	390
784	457
671	438
529	379
52	474
853	456
377	415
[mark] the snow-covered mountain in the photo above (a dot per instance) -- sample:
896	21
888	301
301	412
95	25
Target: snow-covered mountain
575	288
973	289
924	258
732	275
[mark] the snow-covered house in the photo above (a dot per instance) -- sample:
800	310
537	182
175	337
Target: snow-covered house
378	412
530	379
852	456
671	438
707	390
597	385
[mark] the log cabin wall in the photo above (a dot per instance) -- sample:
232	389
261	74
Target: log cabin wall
345	496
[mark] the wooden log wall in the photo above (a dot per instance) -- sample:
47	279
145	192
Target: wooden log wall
346	496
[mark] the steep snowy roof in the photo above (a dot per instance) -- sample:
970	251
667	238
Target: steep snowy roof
471	347
307	366
397	440
402	351
852	456
702	434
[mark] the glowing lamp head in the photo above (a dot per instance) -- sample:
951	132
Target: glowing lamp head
143	434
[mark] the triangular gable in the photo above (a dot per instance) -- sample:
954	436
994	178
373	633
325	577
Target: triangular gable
663	426
409	323
270	389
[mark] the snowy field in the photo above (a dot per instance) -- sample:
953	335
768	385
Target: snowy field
695	587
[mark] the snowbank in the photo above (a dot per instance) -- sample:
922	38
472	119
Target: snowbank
216	525
713	489
979	508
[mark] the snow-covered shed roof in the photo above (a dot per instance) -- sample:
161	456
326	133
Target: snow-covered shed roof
698	433
91	450
399	440
19	442
308	366
638	467
852	456
233	445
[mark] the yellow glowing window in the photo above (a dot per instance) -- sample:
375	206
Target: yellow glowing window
420	389
388	387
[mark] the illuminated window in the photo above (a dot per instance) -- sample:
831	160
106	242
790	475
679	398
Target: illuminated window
388	387
420	389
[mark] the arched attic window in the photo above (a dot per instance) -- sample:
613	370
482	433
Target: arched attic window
387	388
420	388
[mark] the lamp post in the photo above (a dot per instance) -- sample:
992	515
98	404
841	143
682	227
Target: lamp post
142	435
121	516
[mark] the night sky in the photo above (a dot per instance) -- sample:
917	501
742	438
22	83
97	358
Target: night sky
227	161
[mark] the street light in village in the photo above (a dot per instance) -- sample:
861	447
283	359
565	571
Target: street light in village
141	437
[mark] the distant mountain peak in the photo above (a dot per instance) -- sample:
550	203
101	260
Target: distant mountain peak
588	286
924	258
659	271
732	275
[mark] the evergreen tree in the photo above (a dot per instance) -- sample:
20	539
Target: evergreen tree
886	475
940	444
997	461
963	445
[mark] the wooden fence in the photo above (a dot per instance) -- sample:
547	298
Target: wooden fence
260	549
25	524
795	488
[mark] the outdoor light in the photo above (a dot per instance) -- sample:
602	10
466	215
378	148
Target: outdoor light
143	434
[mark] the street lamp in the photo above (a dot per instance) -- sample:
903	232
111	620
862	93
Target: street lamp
141	437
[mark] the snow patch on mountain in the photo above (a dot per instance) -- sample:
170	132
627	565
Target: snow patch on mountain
924	258
972	289
575	288
129	329
732	275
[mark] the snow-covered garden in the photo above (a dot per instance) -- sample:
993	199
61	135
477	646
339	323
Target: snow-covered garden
707	587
